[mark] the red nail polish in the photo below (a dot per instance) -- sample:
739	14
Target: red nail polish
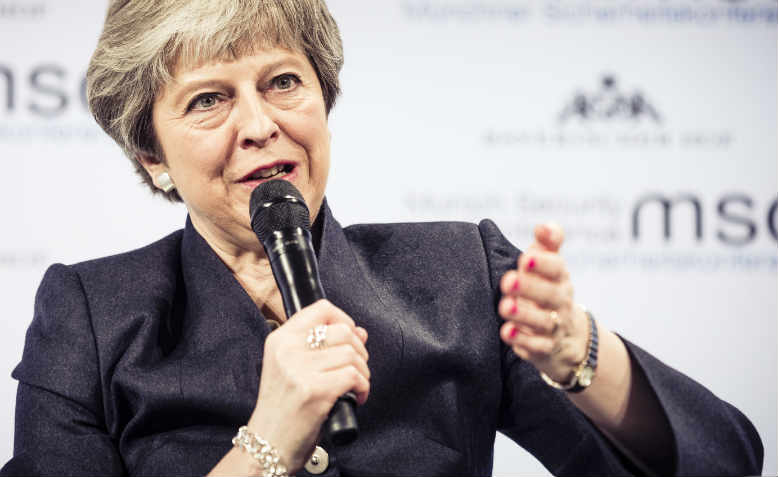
515	286
513	332
514	309
531	264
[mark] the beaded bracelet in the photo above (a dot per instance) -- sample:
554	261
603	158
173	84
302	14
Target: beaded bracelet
262	451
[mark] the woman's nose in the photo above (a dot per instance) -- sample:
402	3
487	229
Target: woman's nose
257	128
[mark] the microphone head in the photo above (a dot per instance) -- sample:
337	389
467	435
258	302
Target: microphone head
277	205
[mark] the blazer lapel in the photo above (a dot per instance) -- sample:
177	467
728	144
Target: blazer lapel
349	286
222	326
213	293
222	333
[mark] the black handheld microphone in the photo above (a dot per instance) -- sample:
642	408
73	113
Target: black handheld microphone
281	220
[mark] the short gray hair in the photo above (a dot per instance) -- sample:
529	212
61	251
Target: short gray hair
143	41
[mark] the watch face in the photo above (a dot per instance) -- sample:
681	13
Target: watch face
585	379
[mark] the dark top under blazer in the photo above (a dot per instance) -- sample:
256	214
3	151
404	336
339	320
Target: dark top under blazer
147	362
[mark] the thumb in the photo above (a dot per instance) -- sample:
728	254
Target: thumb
550	236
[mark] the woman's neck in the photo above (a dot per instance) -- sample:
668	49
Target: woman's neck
250	267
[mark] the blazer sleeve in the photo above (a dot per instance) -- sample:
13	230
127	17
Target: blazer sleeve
534	415
710	436
59	427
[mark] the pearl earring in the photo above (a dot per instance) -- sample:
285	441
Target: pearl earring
165	183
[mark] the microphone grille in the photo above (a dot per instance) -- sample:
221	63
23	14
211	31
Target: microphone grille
277	205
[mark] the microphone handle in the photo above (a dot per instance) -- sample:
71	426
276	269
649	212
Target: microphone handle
296	271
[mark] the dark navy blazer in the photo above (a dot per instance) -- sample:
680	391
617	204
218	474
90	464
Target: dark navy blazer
148	362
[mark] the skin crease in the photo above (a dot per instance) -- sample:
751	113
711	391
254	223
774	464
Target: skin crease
220	121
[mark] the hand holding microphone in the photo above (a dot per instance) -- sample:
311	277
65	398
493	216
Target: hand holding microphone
315	366
299	385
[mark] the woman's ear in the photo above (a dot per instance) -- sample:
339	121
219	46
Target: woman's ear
157	170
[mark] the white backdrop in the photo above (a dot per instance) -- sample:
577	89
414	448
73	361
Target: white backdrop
608	116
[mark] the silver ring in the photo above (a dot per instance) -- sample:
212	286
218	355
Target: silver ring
555	318
317	337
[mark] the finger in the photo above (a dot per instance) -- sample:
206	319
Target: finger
526	346
362	333
534	346
528	285
340	334
509	331
548	264
508	310
543	292
321	312
342	380
549	235
336	315
509	283
362	398
342	356
526	315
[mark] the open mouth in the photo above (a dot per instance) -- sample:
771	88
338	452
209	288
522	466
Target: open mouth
279	170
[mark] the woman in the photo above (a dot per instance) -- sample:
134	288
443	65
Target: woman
148	362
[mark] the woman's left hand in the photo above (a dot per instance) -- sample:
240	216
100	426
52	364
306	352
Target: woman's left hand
619	402
543	324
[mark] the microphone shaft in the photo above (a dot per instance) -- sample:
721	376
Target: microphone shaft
296	272
295	269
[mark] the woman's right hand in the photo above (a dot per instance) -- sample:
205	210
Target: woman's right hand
299	385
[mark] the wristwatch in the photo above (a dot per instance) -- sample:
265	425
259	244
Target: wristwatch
586	369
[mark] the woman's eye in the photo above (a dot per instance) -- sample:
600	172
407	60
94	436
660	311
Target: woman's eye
204	101
287	81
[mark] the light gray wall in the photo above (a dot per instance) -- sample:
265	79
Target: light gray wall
455	110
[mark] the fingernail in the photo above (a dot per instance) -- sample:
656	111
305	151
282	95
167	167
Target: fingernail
513	332
514	309
515	286
531	264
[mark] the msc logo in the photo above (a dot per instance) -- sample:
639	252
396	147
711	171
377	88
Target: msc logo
609	103
736	224
50	90
24	10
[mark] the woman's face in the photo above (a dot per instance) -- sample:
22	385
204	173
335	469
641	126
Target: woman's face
226	127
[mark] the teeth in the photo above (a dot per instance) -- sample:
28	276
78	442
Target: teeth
267	173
